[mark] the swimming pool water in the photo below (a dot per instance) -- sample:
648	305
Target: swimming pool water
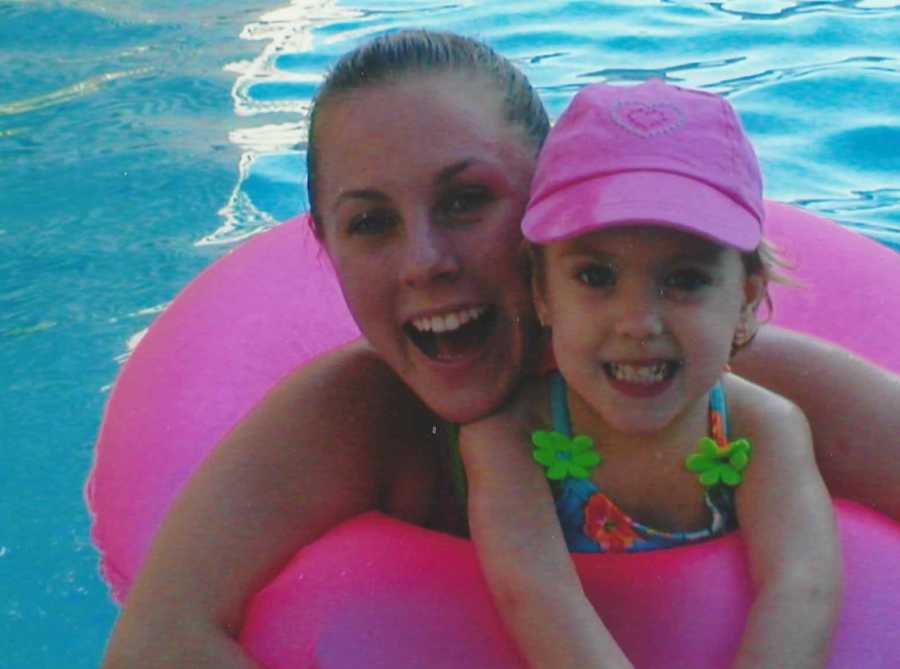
140	140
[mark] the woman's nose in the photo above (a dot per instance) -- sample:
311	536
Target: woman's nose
429	256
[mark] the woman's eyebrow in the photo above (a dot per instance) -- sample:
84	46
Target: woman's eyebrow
445	175
358	194
452	171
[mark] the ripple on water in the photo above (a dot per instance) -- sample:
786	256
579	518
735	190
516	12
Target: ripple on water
268	91
768	10
35	29
863	148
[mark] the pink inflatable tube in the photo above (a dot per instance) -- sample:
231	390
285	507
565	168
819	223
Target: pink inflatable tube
376	592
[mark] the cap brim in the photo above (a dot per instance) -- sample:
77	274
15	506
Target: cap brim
641	198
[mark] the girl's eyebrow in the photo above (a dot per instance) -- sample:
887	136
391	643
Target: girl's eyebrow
700	251
582	252
705	253
578	247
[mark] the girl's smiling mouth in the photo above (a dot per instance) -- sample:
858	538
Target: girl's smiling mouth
642	373
453	334
646	378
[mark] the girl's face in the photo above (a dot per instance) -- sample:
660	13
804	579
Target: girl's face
421	189
643	320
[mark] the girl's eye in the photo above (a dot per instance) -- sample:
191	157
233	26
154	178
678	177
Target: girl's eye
371	222
464	201
687	280
597	276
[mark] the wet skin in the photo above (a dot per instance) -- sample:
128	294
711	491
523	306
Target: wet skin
422	185
643	320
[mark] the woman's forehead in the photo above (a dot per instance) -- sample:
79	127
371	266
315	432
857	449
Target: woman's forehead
418	126
461	102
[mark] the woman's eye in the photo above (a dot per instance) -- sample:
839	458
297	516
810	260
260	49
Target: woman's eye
687	280
597	276
464	201
371	222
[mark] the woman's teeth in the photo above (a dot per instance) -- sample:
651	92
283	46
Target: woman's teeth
447	322
452	334
641	374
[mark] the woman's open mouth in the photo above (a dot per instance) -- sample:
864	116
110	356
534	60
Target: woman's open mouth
453	334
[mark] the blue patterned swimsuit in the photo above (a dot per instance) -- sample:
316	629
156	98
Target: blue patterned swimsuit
592	523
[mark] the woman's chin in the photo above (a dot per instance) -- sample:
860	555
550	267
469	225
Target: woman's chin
466	375
468	407
463	389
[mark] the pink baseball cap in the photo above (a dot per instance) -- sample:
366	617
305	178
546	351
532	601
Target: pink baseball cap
647	154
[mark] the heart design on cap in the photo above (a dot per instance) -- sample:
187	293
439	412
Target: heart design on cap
647	120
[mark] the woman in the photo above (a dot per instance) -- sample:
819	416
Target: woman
421	150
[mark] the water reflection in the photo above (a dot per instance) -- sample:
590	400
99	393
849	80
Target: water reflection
773	11
280	80
814	81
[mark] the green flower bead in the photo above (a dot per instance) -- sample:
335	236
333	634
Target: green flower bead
564	457
719	464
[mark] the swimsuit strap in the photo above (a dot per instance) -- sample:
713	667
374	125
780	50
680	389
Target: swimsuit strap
718	414
562	420
559	405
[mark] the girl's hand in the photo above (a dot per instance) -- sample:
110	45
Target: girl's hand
512	518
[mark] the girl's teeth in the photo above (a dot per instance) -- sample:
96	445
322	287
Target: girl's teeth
447	322
645	374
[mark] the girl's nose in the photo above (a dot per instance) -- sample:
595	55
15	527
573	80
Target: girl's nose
429	256
639	315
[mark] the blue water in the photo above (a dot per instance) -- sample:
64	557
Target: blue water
139	140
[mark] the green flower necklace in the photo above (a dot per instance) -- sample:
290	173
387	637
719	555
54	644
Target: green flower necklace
715	460
565	457
716	463
575	457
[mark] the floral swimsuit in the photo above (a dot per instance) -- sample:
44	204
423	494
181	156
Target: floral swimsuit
592	523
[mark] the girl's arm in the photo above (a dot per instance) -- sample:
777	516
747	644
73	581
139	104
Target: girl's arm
512	519
852	405
311	455
788	526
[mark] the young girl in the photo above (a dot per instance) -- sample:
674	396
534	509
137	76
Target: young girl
648	267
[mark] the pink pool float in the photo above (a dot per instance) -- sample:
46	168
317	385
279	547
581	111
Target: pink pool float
376	592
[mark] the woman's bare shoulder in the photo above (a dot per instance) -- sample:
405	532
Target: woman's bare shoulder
349	409
346	406
323	446
755	410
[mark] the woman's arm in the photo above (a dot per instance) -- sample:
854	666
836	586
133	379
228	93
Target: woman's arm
523	555
852	405
313	453
787	522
